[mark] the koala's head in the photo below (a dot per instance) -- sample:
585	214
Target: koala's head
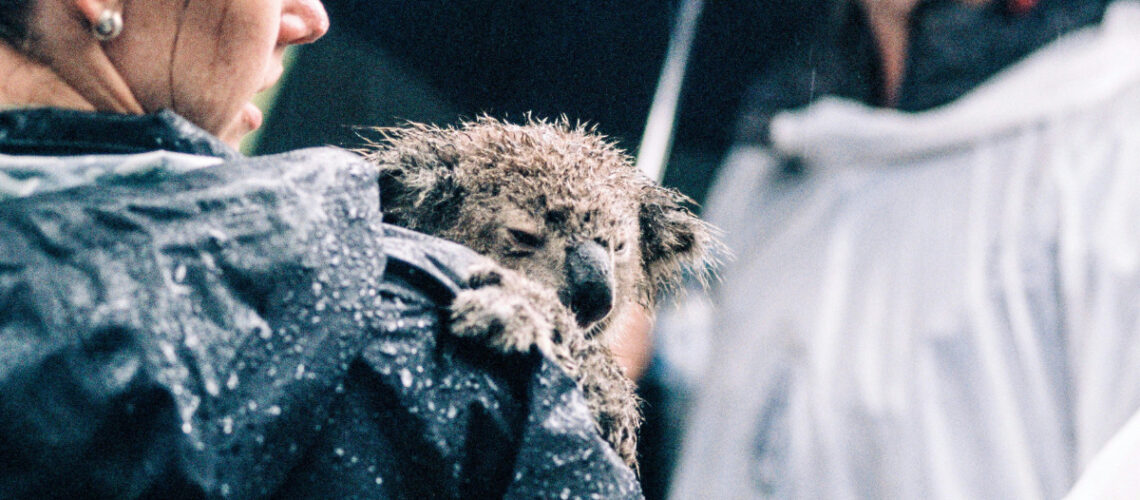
555	202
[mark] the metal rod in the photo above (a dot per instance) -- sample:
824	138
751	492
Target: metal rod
657	140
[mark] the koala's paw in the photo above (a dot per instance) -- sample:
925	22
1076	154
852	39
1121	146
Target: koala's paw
508	312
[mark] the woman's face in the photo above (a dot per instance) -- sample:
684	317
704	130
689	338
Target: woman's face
205	59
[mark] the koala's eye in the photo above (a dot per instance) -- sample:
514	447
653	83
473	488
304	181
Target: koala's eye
525	238
620	246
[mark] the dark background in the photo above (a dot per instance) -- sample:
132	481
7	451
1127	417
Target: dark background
387	61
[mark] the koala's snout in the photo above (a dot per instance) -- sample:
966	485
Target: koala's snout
589	290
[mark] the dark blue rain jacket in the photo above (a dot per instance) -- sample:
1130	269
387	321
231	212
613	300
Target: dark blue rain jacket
180	321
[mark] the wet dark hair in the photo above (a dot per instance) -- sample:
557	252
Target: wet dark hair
14	21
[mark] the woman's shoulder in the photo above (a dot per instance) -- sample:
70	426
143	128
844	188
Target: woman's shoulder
274	311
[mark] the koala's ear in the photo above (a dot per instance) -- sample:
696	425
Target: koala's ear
673	240
418	184
395	192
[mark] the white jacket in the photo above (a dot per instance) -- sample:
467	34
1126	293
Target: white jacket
944	304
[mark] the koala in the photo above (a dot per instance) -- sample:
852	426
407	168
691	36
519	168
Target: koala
577	238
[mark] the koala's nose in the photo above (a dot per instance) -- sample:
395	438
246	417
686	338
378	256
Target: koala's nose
589	282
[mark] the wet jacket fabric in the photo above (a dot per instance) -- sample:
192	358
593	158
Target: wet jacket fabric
931	305
179	321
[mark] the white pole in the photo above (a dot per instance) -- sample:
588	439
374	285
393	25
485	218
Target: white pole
658	138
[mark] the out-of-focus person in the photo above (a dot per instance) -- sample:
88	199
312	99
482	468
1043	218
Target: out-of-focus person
180	321
934	217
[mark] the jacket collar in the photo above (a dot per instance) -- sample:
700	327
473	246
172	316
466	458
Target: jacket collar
62	132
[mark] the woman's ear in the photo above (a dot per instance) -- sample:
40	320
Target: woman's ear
92	9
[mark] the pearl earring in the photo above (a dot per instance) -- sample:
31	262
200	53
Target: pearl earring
108	26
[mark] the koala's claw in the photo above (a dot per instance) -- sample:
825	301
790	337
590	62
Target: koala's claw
483	275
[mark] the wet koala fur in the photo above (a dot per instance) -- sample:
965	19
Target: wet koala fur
584	237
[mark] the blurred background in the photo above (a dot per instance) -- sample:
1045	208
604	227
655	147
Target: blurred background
388	61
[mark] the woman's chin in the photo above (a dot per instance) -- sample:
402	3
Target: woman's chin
247	120
251	116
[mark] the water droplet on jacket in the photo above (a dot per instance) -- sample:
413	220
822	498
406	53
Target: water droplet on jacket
339	452
300	372
273	410
405	377
227	425
168	351
232	382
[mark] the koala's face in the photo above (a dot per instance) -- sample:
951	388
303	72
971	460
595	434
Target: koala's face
559	204
569	232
